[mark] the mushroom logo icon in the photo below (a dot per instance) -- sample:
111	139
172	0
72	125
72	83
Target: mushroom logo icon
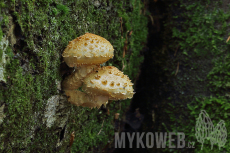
205	130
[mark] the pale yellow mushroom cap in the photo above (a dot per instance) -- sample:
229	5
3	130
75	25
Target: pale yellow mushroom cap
88	49
109	81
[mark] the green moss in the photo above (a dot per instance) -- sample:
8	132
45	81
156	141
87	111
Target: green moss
198	29
1	53
219	75
46	27
64	10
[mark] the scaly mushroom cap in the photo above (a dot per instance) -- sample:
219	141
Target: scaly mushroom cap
88	49
109	81
74	81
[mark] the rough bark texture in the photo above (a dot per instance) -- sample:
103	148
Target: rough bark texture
35	115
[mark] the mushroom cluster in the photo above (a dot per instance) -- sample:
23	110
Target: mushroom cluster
99	84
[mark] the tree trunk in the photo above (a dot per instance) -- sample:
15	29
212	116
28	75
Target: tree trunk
35	115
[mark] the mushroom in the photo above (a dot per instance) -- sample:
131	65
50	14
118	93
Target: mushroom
88	49
74	81
106	83
100	84
86	52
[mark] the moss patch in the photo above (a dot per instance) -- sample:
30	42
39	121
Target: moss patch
197	67
43	29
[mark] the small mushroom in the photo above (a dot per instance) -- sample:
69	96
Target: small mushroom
107	83
88	49
74	81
